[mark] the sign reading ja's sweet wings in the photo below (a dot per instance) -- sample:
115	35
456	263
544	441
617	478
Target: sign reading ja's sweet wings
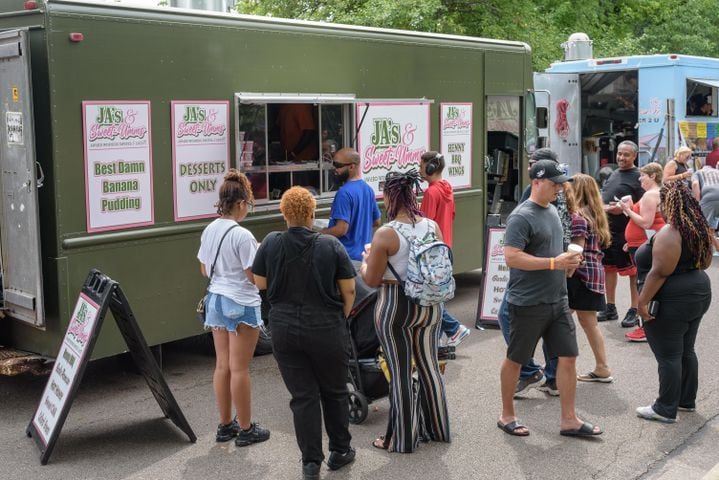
392	137
118	164
456	143
200	156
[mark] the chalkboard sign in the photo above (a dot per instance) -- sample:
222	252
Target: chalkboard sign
495	277
98	293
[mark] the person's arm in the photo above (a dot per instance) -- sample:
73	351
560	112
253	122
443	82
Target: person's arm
613	208
250	276
260	282
581	241
647	208
696	190
203	270
347	290
519	259
665	257
377	222
338	230
308	136
384	244
670	172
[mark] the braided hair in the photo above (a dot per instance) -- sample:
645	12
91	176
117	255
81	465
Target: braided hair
400	192
681	210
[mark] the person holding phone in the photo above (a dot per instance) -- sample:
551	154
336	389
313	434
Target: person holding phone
671	274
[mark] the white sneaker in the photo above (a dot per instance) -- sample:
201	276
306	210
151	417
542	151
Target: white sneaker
648	413
462	333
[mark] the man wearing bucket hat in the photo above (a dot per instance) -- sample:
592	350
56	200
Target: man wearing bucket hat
537	297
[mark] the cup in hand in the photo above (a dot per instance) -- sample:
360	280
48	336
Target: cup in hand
574	248
367	247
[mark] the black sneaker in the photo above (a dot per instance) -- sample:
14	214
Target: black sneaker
523	386
227	432
311	471
609	314
631	319
255	434
549	387
338	460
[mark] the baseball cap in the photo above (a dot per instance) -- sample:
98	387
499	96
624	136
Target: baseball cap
549	170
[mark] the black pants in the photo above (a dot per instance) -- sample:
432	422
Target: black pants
671	336
314	363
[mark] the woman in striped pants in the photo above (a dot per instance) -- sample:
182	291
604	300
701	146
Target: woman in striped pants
407	332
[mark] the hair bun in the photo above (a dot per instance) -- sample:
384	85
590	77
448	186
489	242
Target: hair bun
232	175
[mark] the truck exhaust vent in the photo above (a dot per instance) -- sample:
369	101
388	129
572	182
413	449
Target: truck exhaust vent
577	47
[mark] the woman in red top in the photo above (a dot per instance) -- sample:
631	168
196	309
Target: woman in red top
644	216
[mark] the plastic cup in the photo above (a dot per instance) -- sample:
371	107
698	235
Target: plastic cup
574	248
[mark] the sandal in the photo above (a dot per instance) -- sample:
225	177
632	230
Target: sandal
380	443
512	427
593	377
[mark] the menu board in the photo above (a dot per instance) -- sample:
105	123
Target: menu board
72	353
118	164
200	156
392	137
456	143
496	275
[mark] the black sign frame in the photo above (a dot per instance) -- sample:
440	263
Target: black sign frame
98	293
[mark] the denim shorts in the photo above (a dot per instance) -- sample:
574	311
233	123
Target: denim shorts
224	313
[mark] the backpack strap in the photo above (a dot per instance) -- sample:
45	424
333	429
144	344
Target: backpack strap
212	267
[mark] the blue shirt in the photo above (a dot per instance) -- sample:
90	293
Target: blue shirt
355	204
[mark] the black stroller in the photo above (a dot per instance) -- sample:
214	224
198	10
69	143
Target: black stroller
366	379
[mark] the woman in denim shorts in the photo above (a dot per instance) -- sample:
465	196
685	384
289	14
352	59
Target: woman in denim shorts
232	309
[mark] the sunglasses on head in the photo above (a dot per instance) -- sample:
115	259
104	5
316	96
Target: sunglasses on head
340	164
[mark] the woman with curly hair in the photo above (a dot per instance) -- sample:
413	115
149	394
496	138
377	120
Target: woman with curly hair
310	285
671	272
227	251
585	286
406	331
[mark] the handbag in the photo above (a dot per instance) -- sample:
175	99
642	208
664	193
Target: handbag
201	305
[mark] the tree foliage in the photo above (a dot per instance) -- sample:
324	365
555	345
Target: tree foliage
617	27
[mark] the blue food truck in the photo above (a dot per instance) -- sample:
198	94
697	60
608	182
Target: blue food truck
587	106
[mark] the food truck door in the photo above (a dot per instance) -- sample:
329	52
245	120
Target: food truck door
19	226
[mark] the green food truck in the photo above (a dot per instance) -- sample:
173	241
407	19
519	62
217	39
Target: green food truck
119	122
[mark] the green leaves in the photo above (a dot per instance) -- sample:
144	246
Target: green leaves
618	27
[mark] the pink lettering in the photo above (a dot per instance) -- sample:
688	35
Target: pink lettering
456	123
122	130
206	129
401	156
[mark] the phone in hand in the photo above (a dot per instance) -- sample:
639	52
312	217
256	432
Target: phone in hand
653	308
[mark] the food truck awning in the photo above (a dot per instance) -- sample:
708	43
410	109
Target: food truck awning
324	98
705	82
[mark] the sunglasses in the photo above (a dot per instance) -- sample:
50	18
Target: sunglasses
340	164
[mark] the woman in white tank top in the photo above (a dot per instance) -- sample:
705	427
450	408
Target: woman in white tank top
406	331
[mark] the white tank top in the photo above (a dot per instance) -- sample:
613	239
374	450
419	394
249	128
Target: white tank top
400	259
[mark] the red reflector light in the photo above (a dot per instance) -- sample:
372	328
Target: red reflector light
30	5
77	37
609	62
673	57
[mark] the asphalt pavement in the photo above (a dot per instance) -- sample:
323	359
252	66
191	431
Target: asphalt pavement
115	429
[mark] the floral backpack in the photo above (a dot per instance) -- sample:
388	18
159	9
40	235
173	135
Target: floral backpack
429	269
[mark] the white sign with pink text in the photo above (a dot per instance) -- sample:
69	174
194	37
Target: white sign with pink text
496	275
64	372
118	164
455	133
392	137
200	156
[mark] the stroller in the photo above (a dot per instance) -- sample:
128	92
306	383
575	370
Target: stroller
368	378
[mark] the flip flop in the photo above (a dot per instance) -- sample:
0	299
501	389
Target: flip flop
593	377
586	430
512	427
380	443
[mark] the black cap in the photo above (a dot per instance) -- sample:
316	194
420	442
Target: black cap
544	154
549	170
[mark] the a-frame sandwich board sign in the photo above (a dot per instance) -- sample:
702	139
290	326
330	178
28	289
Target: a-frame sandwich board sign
98	294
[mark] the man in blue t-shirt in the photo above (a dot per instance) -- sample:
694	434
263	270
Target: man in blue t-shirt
354	209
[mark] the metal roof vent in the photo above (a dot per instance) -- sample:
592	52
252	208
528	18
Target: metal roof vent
577	47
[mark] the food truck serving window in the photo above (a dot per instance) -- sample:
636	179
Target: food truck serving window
289	139
702	97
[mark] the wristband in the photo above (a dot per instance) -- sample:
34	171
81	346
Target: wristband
551	263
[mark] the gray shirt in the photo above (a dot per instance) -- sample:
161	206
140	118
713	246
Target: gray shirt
537	231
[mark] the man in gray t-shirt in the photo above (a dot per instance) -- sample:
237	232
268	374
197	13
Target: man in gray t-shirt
537	297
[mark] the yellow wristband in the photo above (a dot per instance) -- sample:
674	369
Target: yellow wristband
551	263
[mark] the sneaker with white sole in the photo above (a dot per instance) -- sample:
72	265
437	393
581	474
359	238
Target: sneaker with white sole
636	335
462	333
525	385
255	434
648	413
549	387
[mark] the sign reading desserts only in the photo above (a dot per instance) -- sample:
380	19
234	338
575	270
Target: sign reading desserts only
118	164
200	156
